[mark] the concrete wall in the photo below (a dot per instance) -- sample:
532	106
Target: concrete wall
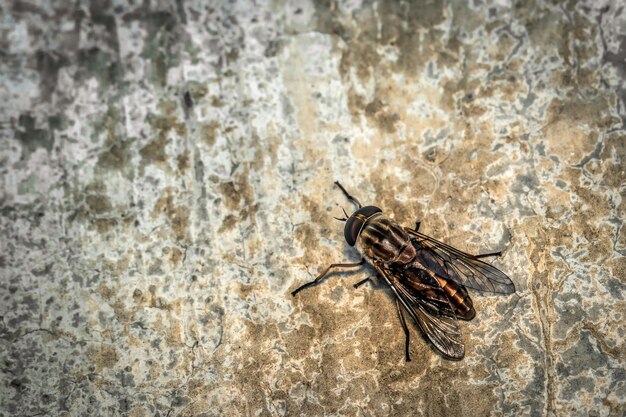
167	176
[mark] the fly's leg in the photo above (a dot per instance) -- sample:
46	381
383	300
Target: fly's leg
323	274
348	196
487	255
363	281
406	331
417	226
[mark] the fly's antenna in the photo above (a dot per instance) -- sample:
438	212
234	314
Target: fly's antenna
348	196
345	218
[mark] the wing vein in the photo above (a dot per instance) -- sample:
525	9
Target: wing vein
441	330
462	267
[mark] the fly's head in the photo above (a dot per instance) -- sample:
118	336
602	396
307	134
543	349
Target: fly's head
356	221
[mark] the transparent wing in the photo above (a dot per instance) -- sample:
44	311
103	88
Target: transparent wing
442	330
418	287
459	266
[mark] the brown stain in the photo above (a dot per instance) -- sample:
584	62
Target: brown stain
228	223
197	90
109	294
252	375
102	357
175	256
217	102
182	162
138	296
153	300
308	234
245	291
117	150
122	314
318	213
392	24
507	84
601	248
237	191
155	151
230	258
589	212
571	39
385	198
231	195
274	143
338	356
443	394
210	132
138	411
105	292
117	267
98	204
255	246
300	100
423	181
116	156
356	105
559	202
307	237
612	170
395	26
344	351
94	207
382	116
573	149
366	34
616	352
177	215
105	225
587	111
174	332
469	159
238	196
614	404
460	400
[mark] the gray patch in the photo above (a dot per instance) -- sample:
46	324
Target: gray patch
32	137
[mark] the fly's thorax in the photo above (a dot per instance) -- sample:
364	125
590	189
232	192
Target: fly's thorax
382	239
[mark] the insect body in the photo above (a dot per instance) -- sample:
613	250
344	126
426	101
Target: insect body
427	277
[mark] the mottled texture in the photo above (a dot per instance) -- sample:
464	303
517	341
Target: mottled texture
167	173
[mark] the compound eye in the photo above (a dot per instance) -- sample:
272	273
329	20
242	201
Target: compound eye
352	229
368	211
355	223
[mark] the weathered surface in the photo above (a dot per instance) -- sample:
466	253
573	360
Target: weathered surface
167	177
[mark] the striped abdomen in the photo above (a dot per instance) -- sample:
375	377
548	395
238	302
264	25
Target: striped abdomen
383	240
459	299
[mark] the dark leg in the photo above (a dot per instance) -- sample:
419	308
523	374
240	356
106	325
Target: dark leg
406	331
486	255
417	226
323	274
348	196
358	284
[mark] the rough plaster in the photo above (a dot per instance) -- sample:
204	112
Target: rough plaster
167	172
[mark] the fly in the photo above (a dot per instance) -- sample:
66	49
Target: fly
428	278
